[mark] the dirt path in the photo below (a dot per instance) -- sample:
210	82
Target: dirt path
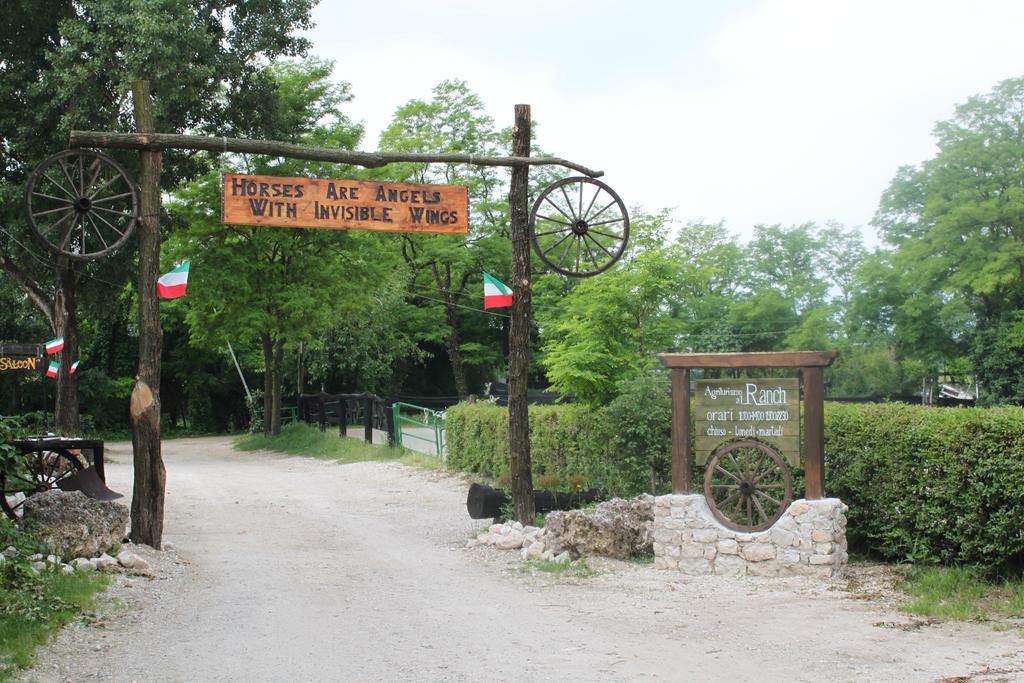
295	569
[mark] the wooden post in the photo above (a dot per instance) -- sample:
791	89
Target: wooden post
814	434
150	475
389	417
322	418
681	456
519	333
368	418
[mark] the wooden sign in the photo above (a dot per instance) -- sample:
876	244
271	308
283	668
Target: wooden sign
766	410
21	358
344	204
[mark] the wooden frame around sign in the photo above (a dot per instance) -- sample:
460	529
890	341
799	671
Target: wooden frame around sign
811	363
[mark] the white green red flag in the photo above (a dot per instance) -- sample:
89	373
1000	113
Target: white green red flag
52	370
496	294
74	366
54	345
173	284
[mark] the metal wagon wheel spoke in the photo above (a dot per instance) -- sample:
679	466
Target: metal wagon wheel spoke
566	240
38	471
736	481
63	200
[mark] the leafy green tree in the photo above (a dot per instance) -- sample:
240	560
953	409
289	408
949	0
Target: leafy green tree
274	285
66	65
955	223
447	269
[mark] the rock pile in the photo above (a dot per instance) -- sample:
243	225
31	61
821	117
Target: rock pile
75	525
39	563
617	528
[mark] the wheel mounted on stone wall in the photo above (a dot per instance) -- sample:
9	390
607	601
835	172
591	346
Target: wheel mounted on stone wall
41	470
748	485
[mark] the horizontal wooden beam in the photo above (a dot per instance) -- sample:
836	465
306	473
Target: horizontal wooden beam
773	359
109	140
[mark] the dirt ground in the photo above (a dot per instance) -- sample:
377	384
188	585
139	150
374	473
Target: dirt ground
295	569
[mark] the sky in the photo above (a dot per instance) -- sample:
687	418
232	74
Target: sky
757	112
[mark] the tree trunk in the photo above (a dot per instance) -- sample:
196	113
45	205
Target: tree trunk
268	382
519	334
455	355
65	317
277	379
150	476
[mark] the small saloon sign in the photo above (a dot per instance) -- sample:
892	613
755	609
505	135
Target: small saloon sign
766	410
21	358
344	204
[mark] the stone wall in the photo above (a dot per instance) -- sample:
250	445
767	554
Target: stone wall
809	539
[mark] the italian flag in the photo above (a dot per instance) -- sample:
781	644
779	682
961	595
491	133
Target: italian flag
496	295
52	370
54	345
74	366
173	284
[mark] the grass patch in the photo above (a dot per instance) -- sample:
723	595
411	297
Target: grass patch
308	441
32	607
961	593
642	558
577	569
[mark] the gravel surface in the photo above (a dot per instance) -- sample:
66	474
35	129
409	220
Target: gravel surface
288	568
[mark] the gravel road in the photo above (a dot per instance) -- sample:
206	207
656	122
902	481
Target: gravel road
295	569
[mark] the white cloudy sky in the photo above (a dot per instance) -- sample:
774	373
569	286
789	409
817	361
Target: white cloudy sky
765	111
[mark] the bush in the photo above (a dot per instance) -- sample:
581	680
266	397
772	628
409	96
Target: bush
561	443
932	485
929	485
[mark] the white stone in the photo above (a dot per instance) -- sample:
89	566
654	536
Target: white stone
658	548
728	546
513	539
105	561
771	568
666	536
783	537
821	536
789	556
691	550
52	559
705	536
824	548
498	529
130	560
547	556
67	569
673	551
530	529
798	508
709	552
168	546
36	557
730	565
38	566
758	552
83	565
786	522
11	551
563	558
822	559
534	551
517	526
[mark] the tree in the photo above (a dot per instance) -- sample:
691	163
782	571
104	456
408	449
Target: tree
70	65
444	266
276	285
955	224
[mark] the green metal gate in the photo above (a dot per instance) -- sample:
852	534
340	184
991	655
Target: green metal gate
423	426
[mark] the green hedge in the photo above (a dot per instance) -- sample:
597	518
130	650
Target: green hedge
942	485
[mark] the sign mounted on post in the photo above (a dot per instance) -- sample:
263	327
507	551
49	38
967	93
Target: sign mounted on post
344	204
21	358
766	410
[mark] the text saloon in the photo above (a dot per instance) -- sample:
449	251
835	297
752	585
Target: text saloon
344	204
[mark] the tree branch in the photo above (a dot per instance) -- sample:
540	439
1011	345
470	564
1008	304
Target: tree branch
104	139
29	286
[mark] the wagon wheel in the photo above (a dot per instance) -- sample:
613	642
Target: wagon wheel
81	204
579	227
42	470
747	485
